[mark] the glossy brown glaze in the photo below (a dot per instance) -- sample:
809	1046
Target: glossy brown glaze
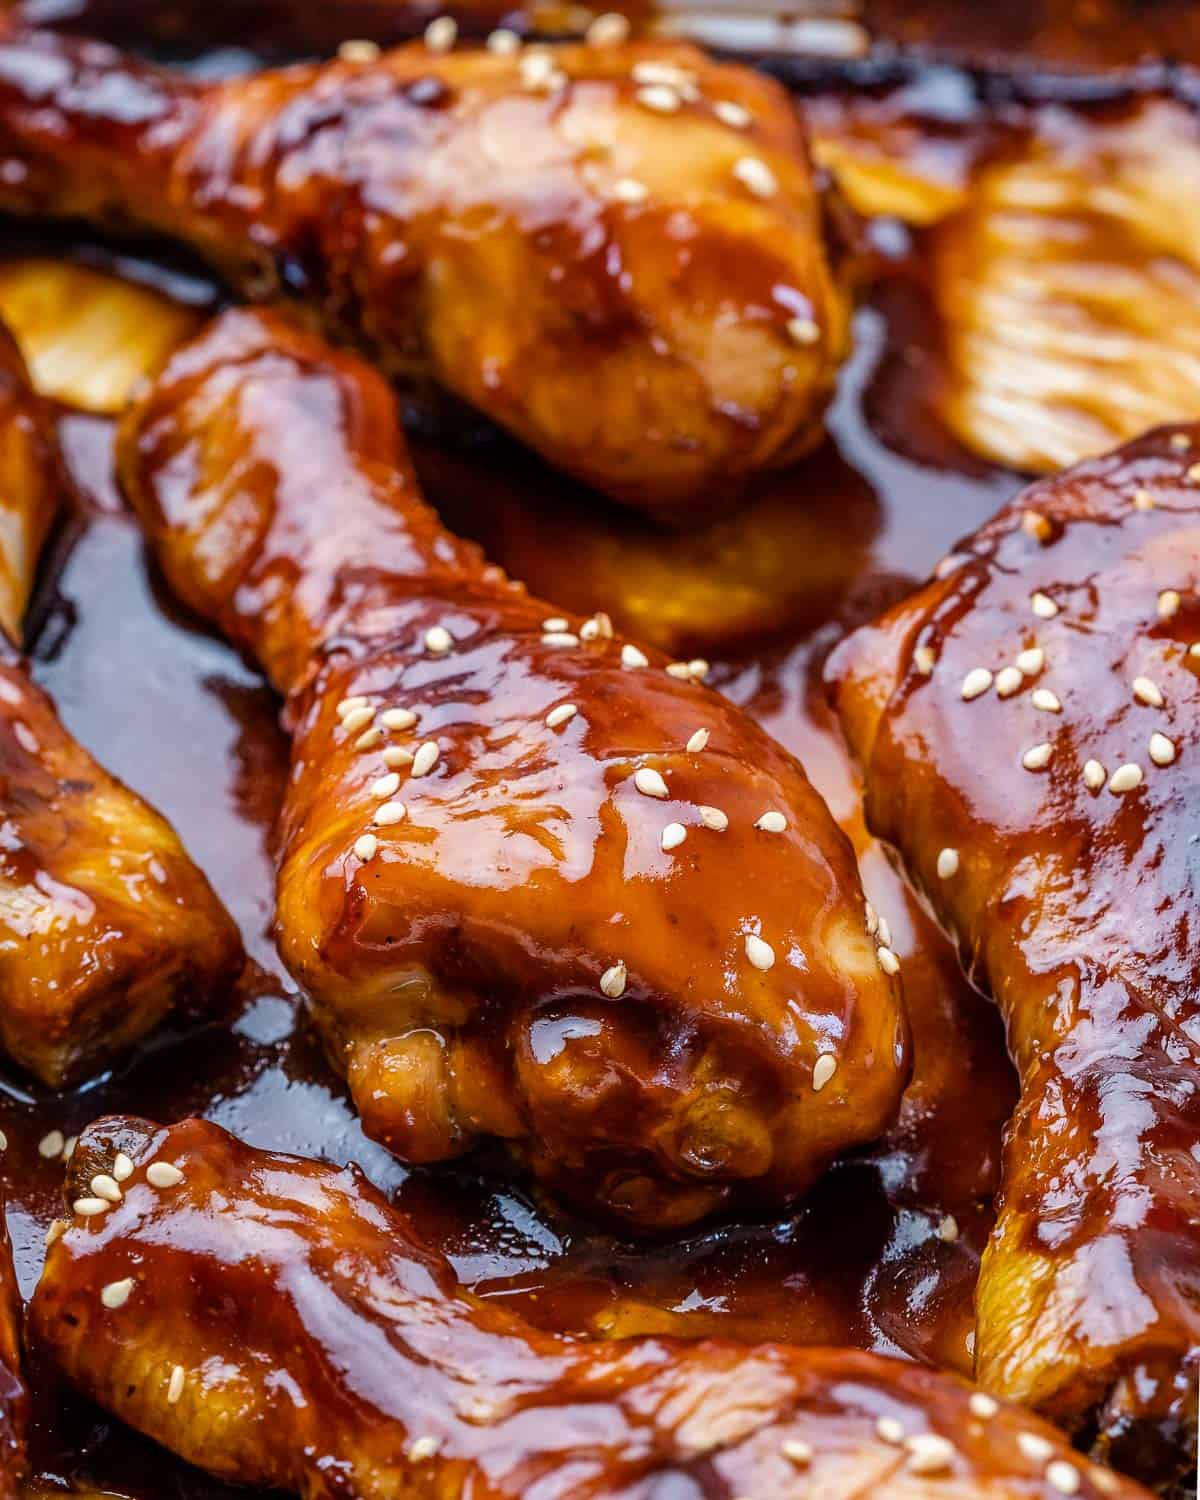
278	1322
542	938
30	483
14	1395
574	242
1068	797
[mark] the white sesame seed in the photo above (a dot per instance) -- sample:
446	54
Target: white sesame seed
390	814
888	961
924	660
397	756
423	1448
163	1174
658	97
947	1230
503	42
1094	774
823	1070
358	50
672	836
1162	749
649	782
1043	606
369	738
804	331
537	69
679	669
632	657
104	1186
714	818
1044	699
438	640
772	822
625	190
755	176
929	1453
608	30
1180	442
890	1430
872	919
697	742
58	1227
947	864
976	682
1063	1477
559	638
89	1207
613	981
1194	474
1194	650
560	715
759	952
983	1406
175	1385
1009	681
799	1452
69	1145
736	116
441	34
3	1141
425	758
1031	661
555	623
386	786
1125	778
1035	1447
122	1167
1143	500
1148	691
1168	604
351	705
1034	524
1037	757
885	932
357	718
116	1293
697	668
651	71
366	847
397	718
51	1144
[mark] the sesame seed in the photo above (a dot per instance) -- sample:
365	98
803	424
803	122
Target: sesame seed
1143	500
976	682
1008	681
3	1141
438	640
163	1174
1063	1477
1044	699
632	657
649	782
175	1386
503	42
714	818
1043	606
69	1145
1094	774
441	35
386	786
625	190
1193	474
598	627
425	758
1031	661
872	919
888	961
929	1453
351	705
357	718
924	660
890	1430
1037	757
608	30
885	932
1148	691
116	1293
122	1167
369	738
658	97
1194	650
672	836
650	71
1162	749
736	116
559	638
947	1230
772	822
697	742
397	756
697	668
983	1406
613	981
397	718
804	331
755	176
366	847
537	69
555	622
423	1448
759	952
947	864
1034	524
1125	778
1035	1447
58	1227
679	669
390	814
89	1207
358	50
1180	442
823	1070
1168	604
560	715
104	1186
51	1144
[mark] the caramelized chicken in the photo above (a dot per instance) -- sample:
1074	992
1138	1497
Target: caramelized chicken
1028	727
29	486
615	252
276	1321
538	885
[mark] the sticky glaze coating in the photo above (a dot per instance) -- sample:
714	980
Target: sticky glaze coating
587	253
30	481
524	946
14	1396
1073	897
322	1348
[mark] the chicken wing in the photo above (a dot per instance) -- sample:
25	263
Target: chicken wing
276	1321
615	252
1028	727
538	884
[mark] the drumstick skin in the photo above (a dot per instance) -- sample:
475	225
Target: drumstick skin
277	1322
539	884
617	253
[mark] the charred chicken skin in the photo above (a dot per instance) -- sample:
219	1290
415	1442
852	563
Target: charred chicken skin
276	1321
617	253
1028	727
540	885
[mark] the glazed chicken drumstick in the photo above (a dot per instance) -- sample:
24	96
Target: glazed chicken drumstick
1028	727
106	925
276	1321
539	885
615	252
